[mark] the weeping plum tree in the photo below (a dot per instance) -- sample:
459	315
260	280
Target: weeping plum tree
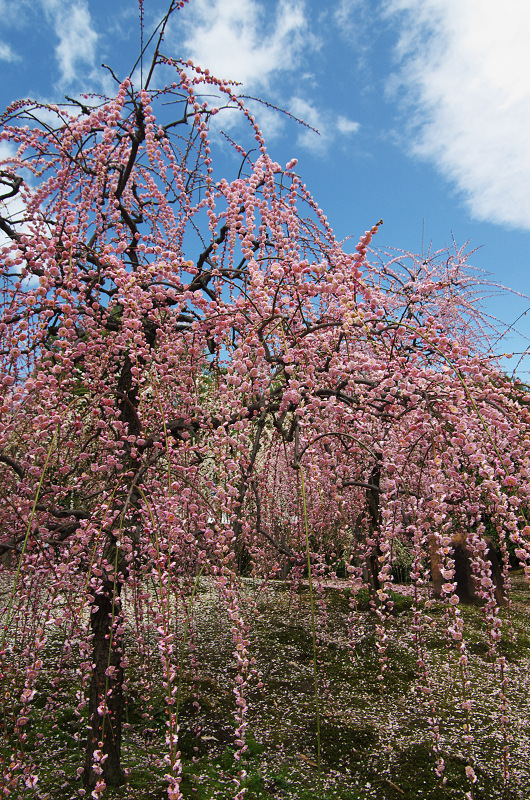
182	354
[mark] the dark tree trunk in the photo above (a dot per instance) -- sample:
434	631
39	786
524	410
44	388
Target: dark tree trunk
373	502
105	705
436	567
464	579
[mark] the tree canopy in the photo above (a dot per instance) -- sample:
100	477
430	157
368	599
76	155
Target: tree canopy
199	379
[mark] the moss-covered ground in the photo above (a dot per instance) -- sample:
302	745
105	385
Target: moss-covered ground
375	739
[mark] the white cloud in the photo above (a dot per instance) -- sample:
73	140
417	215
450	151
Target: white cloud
264	46
308	113
12	13
7	149
329	126
351	18
12	209
242	40
464	69
347	126
345	9
6	53
77	38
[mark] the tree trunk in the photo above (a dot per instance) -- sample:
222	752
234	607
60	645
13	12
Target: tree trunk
464	579
105	705
373	500
436	566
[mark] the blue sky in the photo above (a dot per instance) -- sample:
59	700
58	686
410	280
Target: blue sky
423	106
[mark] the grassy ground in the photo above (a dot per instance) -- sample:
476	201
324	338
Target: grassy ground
375	740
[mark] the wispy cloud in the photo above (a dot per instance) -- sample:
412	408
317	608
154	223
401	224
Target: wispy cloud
463	77
352	20
265	46
13	13
7	54
77	38
327	124
242	40
347	126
